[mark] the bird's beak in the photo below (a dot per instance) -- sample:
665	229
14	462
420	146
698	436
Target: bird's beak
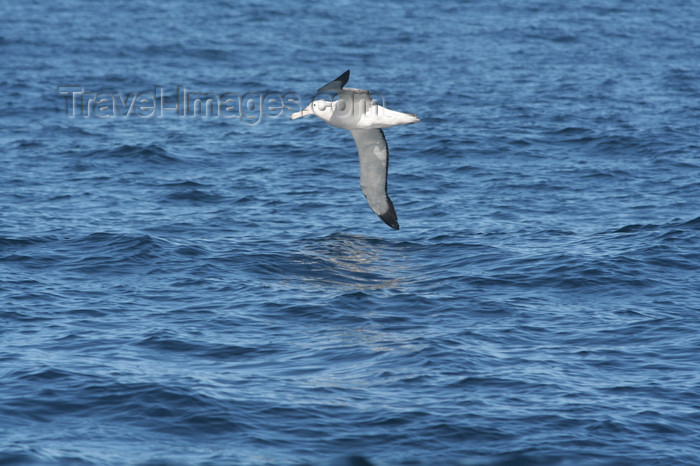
306	112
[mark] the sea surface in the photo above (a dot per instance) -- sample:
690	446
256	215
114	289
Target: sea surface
182	288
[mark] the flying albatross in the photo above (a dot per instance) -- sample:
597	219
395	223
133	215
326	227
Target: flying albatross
355	111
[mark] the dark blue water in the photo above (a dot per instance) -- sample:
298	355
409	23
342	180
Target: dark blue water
192	290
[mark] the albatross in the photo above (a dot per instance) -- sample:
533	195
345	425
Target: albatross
355	111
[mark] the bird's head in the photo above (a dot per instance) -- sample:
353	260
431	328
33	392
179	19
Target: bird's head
321	108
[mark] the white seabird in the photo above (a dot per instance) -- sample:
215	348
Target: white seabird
355	111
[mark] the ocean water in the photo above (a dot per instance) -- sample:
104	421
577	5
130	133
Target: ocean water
183	289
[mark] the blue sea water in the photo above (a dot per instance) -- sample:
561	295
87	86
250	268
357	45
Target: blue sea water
208	290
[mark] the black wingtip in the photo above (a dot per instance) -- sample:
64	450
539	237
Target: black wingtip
393	225
343	78
337	84
389	217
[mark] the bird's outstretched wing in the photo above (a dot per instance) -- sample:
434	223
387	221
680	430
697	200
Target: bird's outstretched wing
374	169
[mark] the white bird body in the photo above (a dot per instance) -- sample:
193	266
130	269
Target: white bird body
354	110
